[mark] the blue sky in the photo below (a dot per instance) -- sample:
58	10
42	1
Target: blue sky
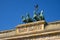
12	10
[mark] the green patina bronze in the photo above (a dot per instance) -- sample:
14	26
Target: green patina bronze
27	19
41	15
24	19
36	17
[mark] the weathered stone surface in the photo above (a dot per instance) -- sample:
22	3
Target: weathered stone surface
49	32
9	33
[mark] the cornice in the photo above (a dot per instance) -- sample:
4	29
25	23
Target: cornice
31	24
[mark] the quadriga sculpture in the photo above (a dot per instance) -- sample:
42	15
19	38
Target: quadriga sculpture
36	17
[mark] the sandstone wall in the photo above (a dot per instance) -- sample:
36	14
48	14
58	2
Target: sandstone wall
52	26
55	37
6	34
